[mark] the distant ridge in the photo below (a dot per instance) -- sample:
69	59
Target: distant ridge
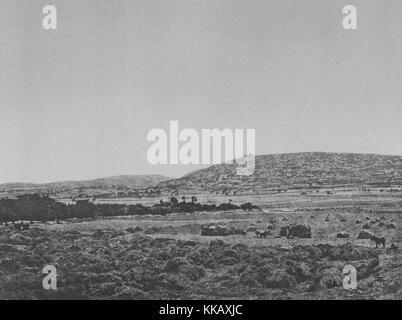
131	181
293	171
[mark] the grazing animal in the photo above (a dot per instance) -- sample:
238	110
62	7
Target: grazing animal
21	226
261	233
378	240
240	231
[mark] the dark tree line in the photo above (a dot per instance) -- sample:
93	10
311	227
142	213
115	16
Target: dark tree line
34	207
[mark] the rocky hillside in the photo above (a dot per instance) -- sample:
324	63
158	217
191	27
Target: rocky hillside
294	171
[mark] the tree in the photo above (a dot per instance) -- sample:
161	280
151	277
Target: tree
6	214
174	202
84	209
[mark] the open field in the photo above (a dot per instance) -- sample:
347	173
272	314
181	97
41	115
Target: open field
167	257
188	226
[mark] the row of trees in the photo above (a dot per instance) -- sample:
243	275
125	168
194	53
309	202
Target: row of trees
34	207
42	208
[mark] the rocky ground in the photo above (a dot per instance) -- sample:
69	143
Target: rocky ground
121	264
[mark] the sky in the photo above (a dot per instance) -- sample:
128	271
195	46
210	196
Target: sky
77	102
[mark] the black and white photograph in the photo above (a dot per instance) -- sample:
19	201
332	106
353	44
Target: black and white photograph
200	150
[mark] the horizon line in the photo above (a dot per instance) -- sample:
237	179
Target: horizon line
177	177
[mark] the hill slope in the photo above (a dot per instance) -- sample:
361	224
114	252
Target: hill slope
293	171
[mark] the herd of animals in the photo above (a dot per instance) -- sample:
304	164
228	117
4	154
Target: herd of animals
286	231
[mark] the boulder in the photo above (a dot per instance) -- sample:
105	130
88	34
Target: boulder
216	244
281	279
364	234
297	230
228	261
299	270
215	230
18	238
347	252
342	234
330	278
367	268
134	230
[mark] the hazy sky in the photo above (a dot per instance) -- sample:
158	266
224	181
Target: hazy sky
78	102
